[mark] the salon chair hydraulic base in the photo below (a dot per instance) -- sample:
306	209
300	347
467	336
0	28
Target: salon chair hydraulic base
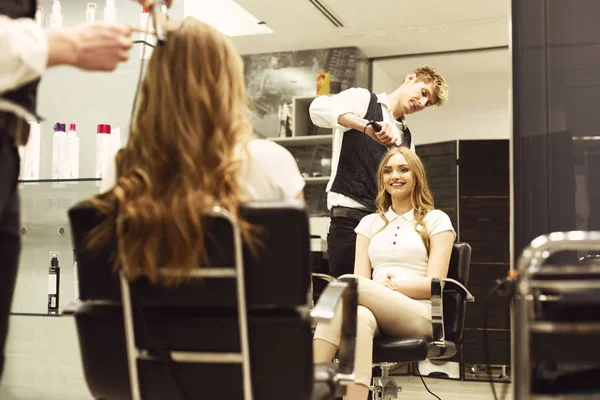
385	386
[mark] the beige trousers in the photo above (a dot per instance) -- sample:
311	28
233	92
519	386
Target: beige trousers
380	311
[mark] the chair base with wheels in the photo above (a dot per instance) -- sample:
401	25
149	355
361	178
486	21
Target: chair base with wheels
385	386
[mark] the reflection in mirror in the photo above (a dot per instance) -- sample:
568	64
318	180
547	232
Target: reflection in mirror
296	52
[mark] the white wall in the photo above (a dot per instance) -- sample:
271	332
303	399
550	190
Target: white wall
478	103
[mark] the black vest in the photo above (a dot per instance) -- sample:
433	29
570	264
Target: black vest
25	96
356	175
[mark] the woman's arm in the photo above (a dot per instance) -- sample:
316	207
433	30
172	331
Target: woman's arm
362	264
440	250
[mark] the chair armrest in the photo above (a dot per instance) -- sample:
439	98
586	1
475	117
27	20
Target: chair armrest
468	296
324	277
346	290
437	313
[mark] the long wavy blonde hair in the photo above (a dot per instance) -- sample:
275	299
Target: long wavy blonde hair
184	153
421	198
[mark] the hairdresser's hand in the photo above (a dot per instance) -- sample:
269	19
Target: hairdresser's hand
91	47
148	3
385	136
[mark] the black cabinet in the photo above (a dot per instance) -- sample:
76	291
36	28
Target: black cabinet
470	182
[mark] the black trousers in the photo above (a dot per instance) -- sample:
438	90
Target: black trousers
10	238
341	243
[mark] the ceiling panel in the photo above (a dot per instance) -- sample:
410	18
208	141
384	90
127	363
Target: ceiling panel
379	27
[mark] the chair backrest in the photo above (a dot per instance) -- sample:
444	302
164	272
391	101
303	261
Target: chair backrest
454	302
460	262
202	317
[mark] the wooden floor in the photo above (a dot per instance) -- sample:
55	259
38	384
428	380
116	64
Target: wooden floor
446	389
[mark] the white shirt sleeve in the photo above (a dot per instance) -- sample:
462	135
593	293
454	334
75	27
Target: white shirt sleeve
438	221
279	167
23	52
325	110
366	224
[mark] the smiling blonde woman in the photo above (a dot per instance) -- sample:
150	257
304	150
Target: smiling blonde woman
398	249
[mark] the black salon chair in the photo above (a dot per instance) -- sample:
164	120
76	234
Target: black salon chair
240	329
448	308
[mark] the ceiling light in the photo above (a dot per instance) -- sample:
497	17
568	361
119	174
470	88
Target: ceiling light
227	16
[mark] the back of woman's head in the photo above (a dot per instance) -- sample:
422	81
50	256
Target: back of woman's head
183	154
192	101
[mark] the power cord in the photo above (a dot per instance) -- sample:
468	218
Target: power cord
424	384
502	287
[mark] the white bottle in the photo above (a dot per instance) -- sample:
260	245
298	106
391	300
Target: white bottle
60	157
73	144
110	12
115	139
146	23
103	148
90	12
31	153
39	16
56	19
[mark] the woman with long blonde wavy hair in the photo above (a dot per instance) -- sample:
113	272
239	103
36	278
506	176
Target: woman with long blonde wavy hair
190	147
398	250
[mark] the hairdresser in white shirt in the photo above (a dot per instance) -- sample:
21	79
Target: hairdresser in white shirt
26	50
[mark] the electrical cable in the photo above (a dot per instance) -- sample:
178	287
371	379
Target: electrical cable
424	384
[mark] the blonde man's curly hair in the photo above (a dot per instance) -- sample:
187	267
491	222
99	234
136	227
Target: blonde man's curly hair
429	74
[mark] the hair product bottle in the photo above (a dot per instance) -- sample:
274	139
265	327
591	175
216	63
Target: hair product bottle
115	139
56	18
31	153
73	149
146	24
103	148
53	284
90	12
60	161
110	12
39	16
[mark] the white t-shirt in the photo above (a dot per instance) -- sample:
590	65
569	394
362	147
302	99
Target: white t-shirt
399	248
271	173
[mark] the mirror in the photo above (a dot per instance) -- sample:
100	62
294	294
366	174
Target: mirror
359	44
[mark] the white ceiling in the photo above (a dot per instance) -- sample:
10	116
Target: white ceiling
379	27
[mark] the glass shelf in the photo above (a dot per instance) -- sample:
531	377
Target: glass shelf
20	314
59	180
45	229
